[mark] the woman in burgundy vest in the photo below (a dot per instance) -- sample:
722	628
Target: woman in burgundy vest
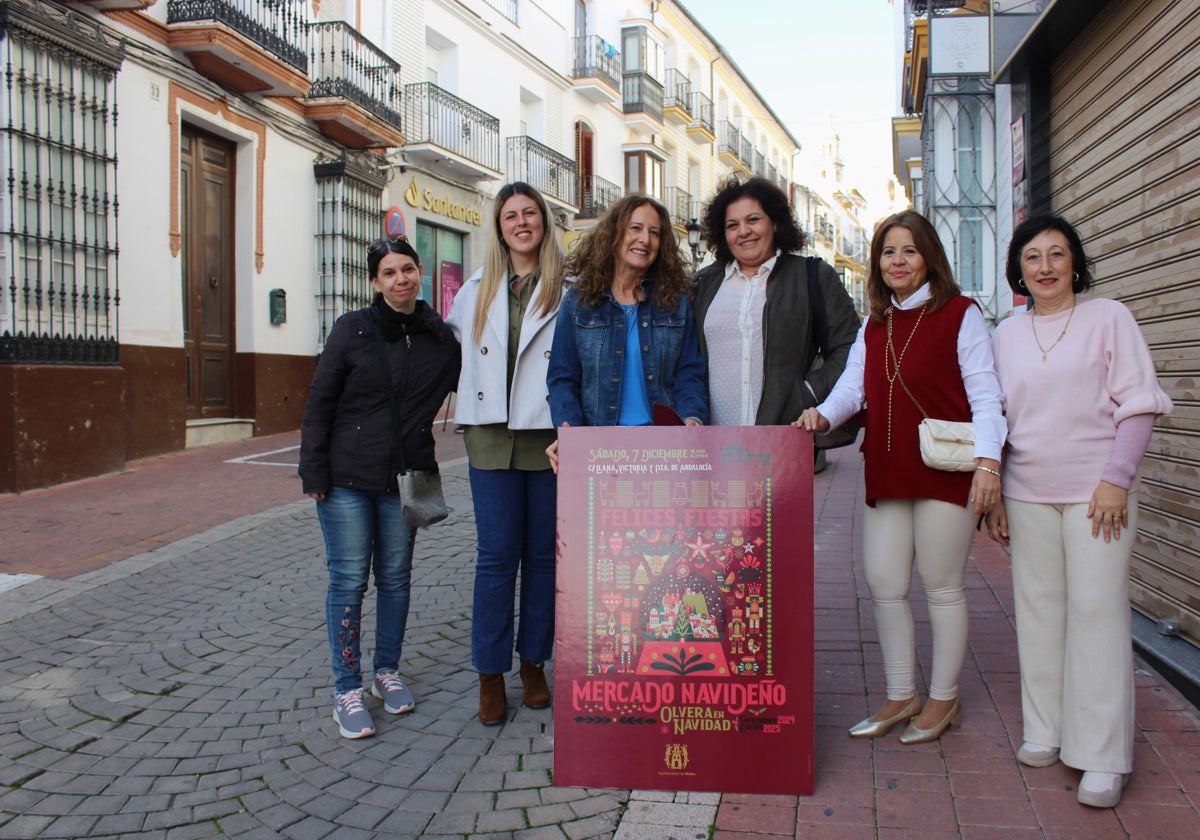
923	351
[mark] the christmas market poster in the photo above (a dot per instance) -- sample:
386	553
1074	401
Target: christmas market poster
684	621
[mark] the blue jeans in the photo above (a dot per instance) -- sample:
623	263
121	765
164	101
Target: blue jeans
365	533
514	525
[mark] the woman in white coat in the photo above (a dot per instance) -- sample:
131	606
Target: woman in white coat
504	318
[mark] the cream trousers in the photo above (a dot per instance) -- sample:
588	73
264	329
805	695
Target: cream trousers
1073	633
938	536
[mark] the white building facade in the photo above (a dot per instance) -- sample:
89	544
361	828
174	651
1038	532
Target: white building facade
192	184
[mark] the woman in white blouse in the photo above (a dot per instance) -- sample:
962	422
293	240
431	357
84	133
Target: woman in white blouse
773	349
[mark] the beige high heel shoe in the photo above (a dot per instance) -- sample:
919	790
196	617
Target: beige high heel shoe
915	735
869	728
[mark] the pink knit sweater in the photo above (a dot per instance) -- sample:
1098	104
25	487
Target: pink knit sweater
1063	413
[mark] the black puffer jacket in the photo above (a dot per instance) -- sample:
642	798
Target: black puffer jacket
346	438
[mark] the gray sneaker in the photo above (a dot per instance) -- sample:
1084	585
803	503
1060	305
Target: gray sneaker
353	719
388	688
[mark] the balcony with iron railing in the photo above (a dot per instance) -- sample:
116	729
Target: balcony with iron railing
115	5
551	173
642	97
356	97
730	144
597	69
747	154
701	126
250	46
596	195
677	97
679	205
450	134
508	8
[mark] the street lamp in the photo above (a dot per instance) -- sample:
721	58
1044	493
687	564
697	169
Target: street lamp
693	234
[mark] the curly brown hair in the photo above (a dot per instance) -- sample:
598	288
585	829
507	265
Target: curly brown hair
788	236
593	264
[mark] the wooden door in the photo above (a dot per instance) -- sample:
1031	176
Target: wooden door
207	181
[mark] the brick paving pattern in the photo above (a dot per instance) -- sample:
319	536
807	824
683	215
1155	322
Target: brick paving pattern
183	692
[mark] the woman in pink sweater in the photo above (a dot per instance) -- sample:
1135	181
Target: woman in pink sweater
1081	397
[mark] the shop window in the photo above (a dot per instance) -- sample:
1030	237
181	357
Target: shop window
441	251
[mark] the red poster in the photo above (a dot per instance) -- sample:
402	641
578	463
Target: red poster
684	635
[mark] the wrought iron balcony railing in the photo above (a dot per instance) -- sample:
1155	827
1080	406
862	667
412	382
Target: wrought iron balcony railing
642	94
433	115
729	140
596	58
508	8
679	204
278	26
347	65
747	155
760	163
678	92
702	112
543	168
596	195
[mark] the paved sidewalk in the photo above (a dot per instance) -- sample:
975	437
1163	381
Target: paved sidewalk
183	692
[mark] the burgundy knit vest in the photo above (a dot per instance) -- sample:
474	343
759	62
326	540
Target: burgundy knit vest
929	367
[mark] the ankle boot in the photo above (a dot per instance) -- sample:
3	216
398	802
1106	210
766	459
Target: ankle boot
492	711
533	680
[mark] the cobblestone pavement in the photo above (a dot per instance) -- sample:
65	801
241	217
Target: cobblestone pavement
184	693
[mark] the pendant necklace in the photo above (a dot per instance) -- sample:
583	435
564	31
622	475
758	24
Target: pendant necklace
1046	350
894	373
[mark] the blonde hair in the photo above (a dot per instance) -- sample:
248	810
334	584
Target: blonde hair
496	263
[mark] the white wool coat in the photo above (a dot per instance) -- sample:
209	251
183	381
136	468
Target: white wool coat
481	385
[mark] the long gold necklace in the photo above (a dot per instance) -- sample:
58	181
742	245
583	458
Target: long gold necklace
1046	350
891	356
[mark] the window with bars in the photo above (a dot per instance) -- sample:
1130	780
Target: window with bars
349	215
58	201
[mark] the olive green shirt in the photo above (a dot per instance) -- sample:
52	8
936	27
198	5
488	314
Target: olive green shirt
495	446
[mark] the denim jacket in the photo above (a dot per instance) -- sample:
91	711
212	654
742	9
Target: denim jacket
587	360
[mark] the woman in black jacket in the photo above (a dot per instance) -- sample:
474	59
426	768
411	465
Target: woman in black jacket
383	375
774	327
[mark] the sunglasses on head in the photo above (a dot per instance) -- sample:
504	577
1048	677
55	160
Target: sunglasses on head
384	244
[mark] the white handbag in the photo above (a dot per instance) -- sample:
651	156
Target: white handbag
947	444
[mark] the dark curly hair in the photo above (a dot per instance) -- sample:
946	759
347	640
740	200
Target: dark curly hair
592	263
1031	228
788	236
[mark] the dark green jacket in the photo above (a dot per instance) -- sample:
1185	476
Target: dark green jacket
790	354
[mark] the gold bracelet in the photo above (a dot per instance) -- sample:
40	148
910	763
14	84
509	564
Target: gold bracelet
988	470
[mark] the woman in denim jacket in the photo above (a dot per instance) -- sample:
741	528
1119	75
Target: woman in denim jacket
625	338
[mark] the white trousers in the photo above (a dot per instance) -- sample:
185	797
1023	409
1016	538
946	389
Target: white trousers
1074	634
938	536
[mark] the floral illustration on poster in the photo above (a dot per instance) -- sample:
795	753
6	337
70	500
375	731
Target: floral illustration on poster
685	649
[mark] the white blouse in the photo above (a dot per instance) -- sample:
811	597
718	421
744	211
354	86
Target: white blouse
975	361
733	332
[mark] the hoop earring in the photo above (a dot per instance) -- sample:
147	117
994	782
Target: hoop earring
1021	284
1076	276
